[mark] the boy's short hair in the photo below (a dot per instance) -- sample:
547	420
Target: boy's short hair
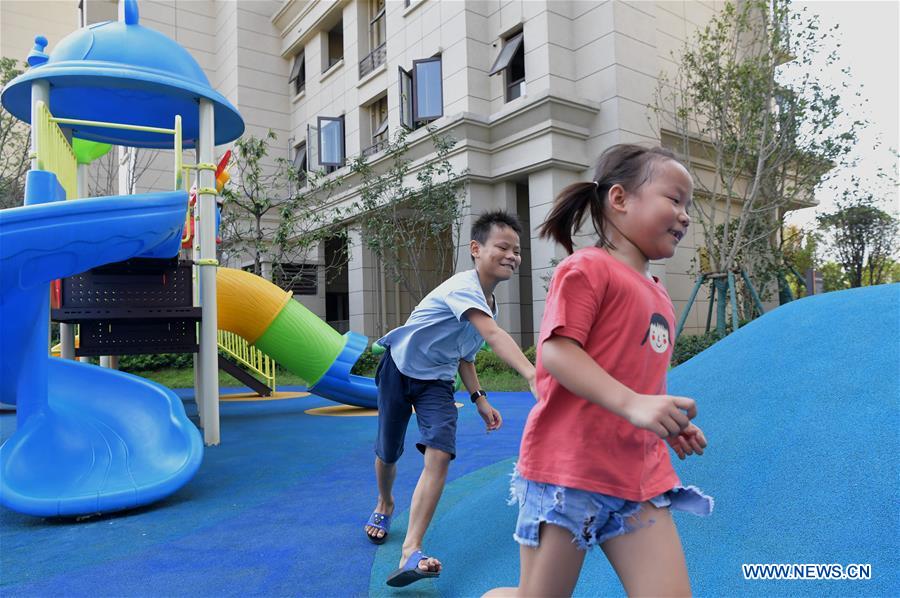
481	229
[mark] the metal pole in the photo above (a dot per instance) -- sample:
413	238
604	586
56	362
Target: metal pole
720	305
687	308
753	294
734	309
67	331
195	274
209	371
712	302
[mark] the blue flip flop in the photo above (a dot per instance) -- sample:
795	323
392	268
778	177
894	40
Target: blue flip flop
410	571
379	521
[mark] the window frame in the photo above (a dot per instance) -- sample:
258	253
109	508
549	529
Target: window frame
343	147
504	62
301	168
417	117
330	61
298	68
406	99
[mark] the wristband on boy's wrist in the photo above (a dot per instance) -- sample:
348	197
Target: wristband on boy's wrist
477	395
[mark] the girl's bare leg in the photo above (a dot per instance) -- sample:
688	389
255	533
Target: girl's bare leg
550	569
650	561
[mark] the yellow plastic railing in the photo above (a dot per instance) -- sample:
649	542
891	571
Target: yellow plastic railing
248	355
54	152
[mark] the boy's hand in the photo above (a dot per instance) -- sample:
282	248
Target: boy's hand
491	416
690	441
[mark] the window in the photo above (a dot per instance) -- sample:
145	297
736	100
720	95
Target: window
379	117
421	93
312	148
300	161
511	61
428	91
331	141
377	36
302	279
335	46
298	73
406	117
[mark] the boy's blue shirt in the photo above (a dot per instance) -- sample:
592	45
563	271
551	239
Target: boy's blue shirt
436	335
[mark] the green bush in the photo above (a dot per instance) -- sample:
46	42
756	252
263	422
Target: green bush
487	361
689	345
143	363
366	364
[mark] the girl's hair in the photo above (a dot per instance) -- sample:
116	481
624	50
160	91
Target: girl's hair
627	165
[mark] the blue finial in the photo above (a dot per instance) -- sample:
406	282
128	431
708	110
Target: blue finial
37	55
131	12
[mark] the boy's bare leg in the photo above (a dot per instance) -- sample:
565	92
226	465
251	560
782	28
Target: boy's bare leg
424	502
385	474
650	561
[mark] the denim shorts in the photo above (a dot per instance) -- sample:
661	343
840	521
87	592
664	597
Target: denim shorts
593	518
436	412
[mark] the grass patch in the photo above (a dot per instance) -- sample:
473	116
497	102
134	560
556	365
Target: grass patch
184	378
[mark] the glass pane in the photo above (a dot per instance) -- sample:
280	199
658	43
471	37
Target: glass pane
429	101
406	117
506	54
312	145
298	65
300	157
331	140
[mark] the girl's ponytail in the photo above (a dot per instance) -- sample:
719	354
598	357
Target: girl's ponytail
568	212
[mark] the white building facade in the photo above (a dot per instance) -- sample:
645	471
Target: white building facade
533	90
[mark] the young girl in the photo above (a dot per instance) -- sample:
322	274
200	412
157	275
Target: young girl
593	468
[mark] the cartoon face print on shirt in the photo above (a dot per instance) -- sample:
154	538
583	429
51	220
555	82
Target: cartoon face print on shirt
657	333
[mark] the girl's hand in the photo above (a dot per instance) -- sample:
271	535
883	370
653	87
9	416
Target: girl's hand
690	441
664	415
491	416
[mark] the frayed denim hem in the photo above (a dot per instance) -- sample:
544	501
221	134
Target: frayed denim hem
592	518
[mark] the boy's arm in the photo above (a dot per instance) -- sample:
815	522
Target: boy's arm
491	416
503	345
469	376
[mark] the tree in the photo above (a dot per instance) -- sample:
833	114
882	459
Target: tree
103	173
411	228
756	127
833	277
798	252
863	237
273	212
15	144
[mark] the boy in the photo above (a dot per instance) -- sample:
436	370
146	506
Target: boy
418	369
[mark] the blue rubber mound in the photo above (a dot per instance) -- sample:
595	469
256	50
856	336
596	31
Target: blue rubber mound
800	409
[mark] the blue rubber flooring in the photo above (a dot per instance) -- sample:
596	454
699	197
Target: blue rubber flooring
801	409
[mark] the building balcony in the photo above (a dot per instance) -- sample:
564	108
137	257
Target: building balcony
374	60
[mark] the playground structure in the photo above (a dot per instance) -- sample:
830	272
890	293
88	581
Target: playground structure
91	439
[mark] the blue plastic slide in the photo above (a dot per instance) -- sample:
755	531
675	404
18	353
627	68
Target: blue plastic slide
87	439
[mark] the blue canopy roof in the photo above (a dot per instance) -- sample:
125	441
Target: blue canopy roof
126	73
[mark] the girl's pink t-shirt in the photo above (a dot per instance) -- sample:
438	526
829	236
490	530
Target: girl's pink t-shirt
625	322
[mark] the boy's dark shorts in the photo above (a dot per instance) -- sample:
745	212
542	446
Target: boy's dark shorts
436	412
